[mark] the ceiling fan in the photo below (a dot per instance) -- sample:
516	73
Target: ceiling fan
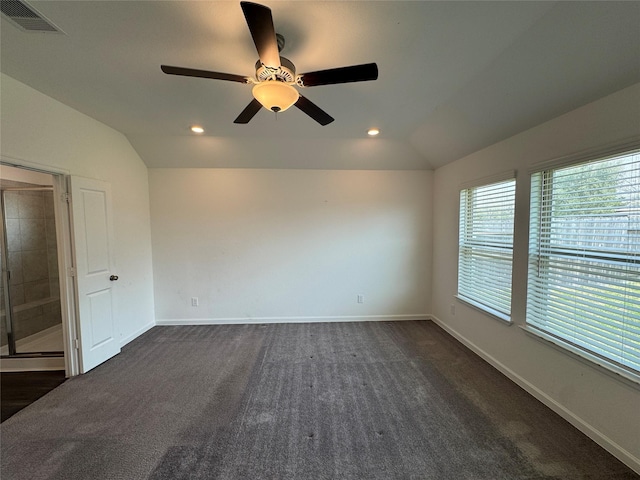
275	75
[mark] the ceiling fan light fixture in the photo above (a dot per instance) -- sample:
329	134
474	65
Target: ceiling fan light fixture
275	76
275	95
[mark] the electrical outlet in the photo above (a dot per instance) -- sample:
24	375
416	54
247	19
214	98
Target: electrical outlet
194	301
360	298
452	309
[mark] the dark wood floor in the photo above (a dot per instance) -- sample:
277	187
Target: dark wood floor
19	389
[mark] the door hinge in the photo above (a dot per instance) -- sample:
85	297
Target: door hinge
65	197
76	343
71	272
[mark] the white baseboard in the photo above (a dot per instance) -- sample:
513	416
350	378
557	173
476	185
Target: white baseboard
601	439
252	320
137	333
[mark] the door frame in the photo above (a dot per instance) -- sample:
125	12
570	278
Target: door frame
66	264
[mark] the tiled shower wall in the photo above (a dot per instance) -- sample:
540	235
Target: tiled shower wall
33	262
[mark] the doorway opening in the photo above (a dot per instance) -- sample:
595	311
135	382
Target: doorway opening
34	304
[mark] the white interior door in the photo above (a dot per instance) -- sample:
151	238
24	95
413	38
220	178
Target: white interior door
95	271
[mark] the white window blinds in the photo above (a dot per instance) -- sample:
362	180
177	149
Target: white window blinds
584	257
486	246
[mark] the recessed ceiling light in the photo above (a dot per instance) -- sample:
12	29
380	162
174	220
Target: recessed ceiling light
197	129
373	132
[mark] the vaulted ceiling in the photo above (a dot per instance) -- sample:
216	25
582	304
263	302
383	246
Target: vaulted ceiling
454	77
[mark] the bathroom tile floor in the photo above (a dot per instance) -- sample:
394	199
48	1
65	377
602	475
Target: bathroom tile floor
49	340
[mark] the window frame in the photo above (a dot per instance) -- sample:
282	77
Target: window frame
470	300
546	171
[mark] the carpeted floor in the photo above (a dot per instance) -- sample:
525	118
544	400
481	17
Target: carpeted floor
389	400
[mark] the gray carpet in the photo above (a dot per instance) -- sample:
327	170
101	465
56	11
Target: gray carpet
391	400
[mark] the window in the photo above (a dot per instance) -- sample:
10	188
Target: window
584	258
486	247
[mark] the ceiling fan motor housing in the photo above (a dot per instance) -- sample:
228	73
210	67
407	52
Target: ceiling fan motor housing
285	73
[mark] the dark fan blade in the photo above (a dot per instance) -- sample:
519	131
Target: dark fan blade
315	112
355	73
190	72
249	112
263	32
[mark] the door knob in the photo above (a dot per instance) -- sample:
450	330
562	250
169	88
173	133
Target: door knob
113	278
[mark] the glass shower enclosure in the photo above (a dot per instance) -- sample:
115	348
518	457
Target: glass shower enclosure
30	314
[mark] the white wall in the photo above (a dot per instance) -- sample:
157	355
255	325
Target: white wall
606	408
37	129
290	245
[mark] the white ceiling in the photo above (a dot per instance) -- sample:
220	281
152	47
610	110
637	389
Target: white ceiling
454	76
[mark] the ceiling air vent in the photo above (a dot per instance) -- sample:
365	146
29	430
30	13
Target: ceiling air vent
26	17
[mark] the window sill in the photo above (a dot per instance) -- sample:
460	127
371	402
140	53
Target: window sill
486	310
594	361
